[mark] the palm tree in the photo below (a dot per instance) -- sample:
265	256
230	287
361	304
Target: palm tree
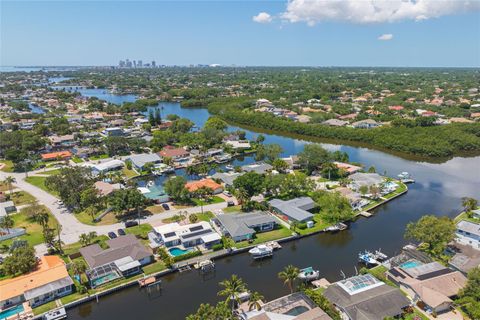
288	275
6	222
78	267
469	204
10	181
232	289
254	301
241	195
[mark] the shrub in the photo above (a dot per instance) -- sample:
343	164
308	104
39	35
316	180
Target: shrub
218	246
188	255
302	225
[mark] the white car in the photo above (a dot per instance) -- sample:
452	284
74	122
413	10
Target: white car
228	194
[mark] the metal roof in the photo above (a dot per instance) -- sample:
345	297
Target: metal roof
240	224
49	287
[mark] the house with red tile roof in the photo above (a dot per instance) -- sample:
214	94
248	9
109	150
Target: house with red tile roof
173	152
56	155
193	186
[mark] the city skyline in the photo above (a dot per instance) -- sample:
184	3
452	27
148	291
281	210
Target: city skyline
423	33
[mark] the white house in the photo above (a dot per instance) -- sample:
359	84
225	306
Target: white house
468	233
187	236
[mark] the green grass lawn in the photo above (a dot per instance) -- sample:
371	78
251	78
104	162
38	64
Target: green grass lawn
98	157
212	200
40	183
140	231
155	209
33	230
75	247
154	267
412	316
232	209
21	198
319	225
206	216
8	166
108	219
379	273
50	172
280	232
77	160
464	216
44	308
129	173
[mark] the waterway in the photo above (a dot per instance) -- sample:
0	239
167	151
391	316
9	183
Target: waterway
438	190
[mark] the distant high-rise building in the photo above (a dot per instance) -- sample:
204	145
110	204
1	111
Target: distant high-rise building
128	63
140	63
121	64
153	64
134	63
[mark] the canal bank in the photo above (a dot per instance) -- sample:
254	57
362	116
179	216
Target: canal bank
438	190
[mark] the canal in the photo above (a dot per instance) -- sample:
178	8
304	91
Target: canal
438	190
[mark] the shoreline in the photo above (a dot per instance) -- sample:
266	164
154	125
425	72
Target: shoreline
220	255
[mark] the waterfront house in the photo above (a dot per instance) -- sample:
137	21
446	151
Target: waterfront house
208	183
140	160
465	258
61	155
174	153
226	178
65	141
365	297
349	168
294	209
366	124
113	132
105	188
243	226
258	167
49	281
335	123
6	208
187	236
360	179
476	213
468	233
106	166
239	144
295	306
125	256
431	284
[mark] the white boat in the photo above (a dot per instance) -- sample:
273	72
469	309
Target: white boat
150	184
405	177
308	274
229	167
379	255
367	258
261	251
56	314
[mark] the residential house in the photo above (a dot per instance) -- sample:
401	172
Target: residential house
174	153
244	226
226	177
125	256
6	208
476	213
114	132
468	233
61	155
360	179
187	236
431	283
140	160
365	297
295	306
62	142
465	258
208	183
294	210
106	166
366	124
239	144
105	188
335	123
49	281
350	168
258	167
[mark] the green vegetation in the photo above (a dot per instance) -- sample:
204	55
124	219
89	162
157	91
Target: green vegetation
40	183
141	231
469	297
8	165
21	198
77	159
212	200
262	237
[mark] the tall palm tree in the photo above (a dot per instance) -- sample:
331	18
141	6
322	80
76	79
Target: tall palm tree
255	301
288	275
6	223
231	289
10	181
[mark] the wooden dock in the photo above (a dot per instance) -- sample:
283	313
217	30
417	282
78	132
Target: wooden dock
146	281
365	214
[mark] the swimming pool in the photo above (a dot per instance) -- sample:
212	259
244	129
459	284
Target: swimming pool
104	279
177	251
410	264
10	312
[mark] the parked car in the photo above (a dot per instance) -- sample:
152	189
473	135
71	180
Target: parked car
131	223
112	235
121	232
165	206
228	194
230	203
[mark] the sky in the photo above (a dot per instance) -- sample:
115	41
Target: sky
403	33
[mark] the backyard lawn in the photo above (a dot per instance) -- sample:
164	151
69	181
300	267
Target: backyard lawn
33	230
8	166
21	198
140	231
214	199
319	225
464	216
129	173
232	209
74	247
40	183
261	237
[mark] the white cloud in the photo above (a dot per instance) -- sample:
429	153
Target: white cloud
373	11
386	37
262	17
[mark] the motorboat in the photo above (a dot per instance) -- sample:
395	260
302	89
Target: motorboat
150	183
379	255
56	314
229	167
308	274
261	251
405	177
367	258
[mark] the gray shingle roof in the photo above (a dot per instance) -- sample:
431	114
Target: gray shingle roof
140	160
295	208
240	224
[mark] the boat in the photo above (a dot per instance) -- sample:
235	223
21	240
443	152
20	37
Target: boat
261	251
336	227
405	177
56	314
379	255
367	258
308	274
229	167
150	183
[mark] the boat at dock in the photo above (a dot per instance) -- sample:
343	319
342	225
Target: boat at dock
308	274
367	258
205	265
229	167
336	227
56	314
405	177
150	183
274	245
261	251
379	255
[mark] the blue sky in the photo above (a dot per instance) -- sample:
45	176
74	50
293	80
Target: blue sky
224	32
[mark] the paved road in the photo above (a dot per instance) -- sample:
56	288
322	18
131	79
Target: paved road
72	228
